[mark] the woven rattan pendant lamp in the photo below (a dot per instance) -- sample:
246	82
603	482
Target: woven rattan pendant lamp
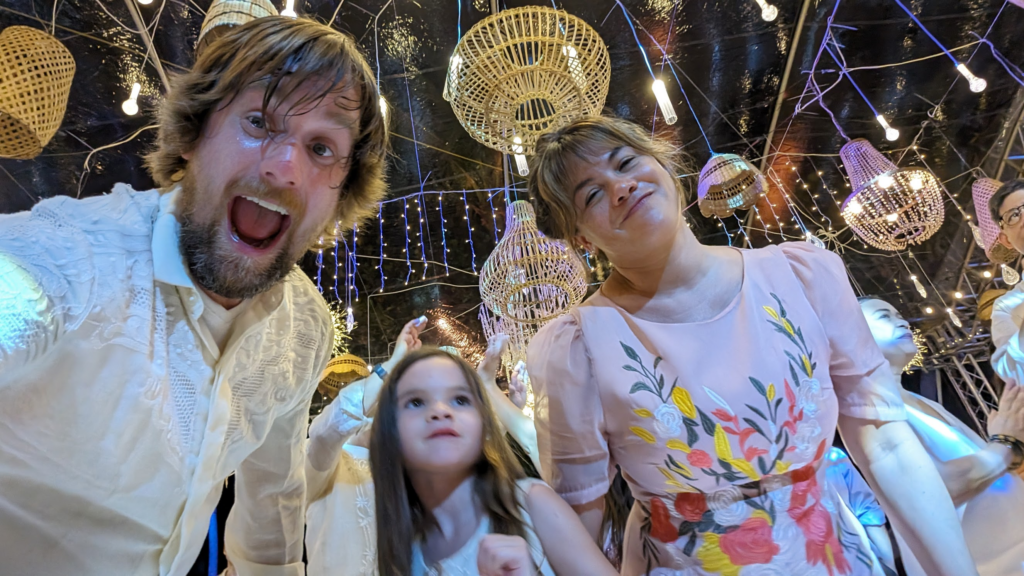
529	277
224	14
35	80
728	183
341	370
890	207
525	71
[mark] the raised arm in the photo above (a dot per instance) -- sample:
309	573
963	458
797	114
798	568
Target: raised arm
519	425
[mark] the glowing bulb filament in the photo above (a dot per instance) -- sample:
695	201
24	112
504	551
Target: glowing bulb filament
350	321
131	105
663	102
768	12
289	9
1010	276
919	286
976	84
521	164
891	134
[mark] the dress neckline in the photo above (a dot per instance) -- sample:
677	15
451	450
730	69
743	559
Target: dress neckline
725	311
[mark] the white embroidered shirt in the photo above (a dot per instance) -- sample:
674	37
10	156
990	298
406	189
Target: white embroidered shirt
120	417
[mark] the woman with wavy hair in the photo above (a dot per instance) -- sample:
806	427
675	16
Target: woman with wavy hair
714	378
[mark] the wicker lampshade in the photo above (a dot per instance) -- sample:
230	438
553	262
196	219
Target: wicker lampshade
890	207
982	190
341	370
728	183
530	277
223	14
987	300
35	80
525	71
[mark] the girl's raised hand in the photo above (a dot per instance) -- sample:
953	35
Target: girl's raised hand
502	555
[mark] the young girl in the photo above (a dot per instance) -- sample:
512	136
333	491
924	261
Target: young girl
450	498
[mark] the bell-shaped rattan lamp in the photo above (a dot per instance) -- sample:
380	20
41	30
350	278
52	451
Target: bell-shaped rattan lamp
523	72
890	207
35	80
728	183
529	277
224	14
341	370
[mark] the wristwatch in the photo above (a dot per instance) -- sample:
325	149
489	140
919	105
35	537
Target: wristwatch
1015	445
379	370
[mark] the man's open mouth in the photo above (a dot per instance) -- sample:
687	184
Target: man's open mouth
256	222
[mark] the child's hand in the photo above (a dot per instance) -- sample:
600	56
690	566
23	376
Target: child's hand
517	386
501	555
488	367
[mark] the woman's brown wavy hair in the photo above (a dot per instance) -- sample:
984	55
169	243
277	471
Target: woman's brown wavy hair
401	516
284	53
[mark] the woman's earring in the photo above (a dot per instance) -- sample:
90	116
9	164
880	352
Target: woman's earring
178	176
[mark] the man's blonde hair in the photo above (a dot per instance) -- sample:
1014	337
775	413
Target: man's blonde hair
283	53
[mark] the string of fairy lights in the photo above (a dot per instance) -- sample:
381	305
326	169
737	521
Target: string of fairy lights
798	209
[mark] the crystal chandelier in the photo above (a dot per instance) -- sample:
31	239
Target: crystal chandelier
728	183
890	207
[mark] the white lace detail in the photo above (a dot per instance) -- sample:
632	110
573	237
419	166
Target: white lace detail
360	468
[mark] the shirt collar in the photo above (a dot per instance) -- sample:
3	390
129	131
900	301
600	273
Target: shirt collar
168	263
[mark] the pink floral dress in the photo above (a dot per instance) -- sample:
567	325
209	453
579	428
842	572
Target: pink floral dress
719	427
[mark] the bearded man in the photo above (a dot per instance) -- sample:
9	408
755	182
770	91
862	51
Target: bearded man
154	343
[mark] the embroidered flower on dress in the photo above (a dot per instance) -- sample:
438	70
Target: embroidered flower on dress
668	421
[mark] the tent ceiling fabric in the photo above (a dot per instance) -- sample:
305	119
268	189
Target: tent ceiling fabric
730	62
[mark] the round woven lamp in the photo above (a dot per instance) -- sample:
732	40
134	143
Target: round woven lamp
340	371
224	14
35	80
982	190
728	183
890	208
987	300
529	277
523	72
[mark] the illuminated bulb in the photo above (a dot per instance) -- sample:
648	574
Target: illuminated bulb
384	108
958	294
978	239
350	320
928	310
517	148
131	105
986	274
892	217
768	12
886	181
916	183
891	134
855	207
1010	276
976	84
919	286
575	70
663	102
952	316
145	1
289	9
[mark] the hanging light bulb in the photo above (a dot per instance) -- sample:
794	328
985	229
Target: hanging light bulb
350	320
384	108
663	102
521	164
768	12
976	84
916	183
131	105
919	286
575	70
978	239
987	274
891	134
1010	276
812	239
145	1
886	180
928	310
953	317
958	294
892	217
289	9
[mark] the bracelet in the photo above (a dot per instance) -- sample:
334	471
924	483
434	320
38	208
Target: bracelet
380	371
1015	445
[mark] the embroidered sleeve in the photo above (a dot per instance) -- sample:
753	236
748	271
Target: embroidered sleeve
864	384
571	436
1007	319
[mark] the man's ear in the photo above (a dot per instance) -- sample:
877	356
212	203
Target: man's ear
1002	239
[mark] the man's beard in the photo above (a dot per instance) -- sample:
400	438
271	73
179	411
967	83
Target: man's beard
214	265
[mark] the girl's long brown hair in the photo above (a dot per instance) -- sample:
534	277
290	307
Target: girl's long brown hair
401	516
